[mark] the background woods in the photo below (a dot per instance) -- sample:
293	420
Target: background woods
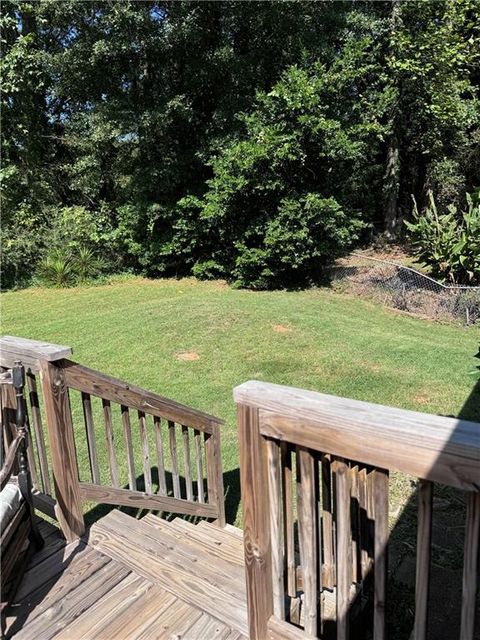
253	141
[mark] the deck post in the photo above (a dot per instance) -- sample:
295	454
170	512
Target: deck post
214	472
256	523
68	507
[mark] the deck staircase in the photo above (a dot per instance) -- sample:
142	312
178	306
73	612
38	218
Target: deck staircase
132	579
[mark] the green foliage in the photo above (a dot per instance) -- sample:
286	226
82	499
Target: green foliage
67	267
449	243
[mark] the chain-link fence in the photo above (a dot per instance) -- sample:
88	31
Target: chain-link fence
406	289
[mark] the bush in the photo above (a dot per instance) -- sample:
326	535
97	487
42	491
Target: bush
66	268
449	243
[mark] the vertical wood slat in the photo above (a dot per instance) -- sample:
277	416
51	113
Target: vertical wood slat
199	464
147	472
213	456
380	496
276	526
424	539
288	522
362	501
173	456
68	506
344	548
470	564
307	534
187	463
32	465
91	440
355	523
256	529
328	568
162	484
39	434
127	436
112	459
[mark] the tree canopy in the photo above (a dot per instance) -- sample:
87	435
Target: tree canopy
249	140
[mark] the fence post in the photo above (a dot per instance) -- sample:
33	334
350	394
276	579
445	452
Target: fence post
213	455
62	445
256	529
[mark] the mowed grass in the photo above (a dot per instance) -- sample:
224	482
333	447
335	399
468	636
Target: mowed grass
138	329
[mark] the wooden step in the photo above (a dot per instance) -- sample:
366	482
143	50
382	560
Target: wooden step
221	534
128	541
221	553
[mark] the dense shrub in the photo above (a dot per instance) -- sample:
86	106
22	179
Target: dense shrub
449	243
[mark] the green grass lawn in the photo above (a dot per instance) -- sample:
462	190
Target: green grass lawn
321	340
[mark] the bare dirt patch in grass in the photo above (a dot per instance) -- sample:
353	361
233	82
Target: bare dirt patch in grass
187	356
281	328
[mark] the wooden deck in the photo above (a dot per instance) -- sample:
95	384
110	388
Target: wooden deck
134	579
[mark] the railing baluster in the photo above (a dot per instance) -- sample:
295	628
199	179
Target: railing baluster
355	521
198	459
344	548
328	569
147	472
173	455
162	484
112	459
288	519
380	495
91	440
213	456
424	539
39	435
276	526
127	435
187	463
32	465
307	535
362	500
470	564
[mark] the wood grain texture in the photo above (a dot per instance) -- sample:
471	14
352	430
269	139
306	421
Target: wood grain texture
187	463
470	567
127	436
99	384
62	450
307	536
139	500
38	430
172	440
276	526
162	482
424	540
280	630
112	457
380	495
147	473
288	519
328	565
213	456
30	352
199	465
91	439
431	447
256	529
344	549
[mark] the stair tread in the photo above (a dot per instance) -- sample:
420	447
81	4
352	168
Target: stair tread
218	548
123	539
221	534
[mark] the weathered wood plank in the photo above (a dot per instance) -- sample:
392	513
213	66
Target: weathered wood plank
139	500
213	455
199	466
112	457
127	436
62	450
380	495
344	549
256	531
187	463
99	384
328	566
287	489
91	439
162	483
172	439
281	630
38	430
424	539
470	565
147	472
431	447
30	351
276	526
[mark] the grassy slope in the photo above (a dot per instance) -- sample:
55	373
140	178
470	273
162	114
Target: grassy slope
333	343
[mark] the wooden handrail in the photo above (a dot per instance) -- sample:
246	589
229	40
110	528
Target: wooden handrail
343	448
432	447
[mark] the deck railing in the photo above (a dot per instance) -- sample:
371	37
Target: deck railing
73	401
315	487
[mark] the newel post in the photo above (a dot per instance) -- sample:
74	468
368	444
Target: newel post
62	448
256	529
